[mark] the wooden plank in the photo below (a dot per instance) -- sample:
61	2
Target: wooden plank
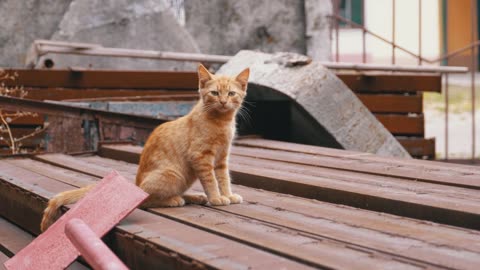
12	238
387	103
399	124
458	212
418	147
89	93
147	241
426	168
233	225
3	259
397	196
415	170
370	166
420	241
387	82
105	79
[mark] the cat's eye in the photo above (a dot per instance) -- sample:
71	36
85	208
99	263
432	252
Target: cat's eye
231	94
214	93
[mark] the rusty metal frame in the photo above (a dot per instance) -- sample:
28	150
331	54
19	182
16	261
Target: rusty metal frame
472	47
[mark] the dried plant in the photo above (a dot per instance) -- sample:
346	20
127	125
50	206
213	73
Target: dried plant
7	118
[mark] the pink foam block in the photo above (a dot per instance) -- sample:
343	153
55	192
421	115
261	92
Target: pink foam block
103	207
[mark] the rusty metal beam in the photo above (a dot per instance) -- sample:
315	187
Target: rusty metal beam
49	108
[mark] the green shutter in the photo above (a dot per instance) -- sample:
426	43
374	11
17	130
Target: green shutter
352	10
357	11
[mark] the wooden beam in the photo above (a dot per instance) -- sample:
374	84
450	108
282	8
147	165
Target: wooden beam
399	124
418	147
392	103
387	82
178	80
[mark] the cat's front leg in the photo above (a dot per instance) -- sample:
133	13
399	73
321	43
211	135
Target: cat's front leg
204	171
223	177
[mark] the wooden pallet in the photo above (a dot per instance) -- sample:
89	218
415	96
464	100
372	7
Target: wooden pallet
305	224
397	102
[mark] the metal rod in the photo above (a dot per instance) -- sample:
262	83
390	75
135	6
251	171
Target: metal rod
393	32
430	61
337	50
474	68
379	37
116	52
364	47
446	116
399	68
419	32
447	101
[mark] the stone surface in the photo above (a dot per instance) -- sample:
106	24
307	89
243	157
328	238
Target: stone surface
317	29
24	21
225	27
143	24
326	112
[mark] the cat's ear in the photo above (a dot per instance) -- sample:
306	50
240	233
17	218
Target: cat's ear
242	78
203	76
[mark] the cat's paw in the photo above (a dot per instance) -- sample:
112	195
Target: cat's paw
175	202
195	198
235	198
222	200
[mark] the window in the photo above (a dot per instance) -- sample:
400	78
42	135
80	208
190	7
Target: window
351	10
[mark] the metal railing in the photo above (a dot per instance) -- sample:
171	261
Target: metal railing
472	47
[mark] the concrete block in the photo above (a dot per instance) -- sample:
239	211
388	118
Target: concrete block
326	110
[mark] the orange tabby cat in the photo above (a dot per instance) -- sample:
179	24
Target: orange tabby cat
196	145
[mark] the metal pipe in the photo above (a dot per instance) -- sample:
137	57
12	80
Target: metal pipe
447	101
473	69
337	50
379	37
116	52
446	116
393	32
364	47
400	68
419	32
92	248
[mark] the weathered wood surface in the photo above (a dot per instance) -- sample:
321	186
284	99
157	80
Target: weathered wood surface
142	240
304	230
398	186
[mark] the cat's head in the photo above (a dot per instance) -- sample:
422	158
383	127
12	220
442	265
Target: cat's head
222	93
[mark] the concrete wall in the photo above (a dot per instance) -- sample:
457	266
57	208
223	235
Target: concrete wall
226	27
140	24
208	26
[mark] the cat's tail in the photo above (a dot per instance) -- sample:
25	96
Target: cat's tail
52	212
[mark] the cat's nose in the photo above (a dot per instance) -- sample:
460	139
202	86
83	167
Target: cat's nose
223	102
